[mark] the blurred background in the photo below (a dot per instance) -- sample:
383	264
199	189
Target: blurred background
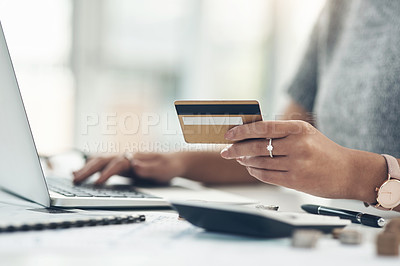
102	75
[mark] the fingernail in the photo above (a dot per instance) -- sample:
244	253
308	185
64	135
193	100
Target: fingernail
230	134
224	152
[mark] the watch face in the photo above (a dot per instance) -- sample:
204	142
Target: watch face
389	194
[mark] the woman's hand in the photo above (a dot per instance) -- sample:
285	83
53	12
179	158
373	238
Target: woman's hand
304	159
160	167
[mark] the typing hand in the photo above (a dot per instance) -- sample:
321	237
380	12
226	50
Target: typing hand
304	159
155	166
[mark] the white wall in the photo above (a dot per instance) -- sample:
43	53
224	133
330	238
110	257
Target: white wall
78	61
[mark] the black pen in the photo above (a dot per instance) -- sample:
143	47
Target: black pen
354	216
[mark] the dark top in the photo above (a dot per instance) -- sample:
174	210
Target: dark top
350	75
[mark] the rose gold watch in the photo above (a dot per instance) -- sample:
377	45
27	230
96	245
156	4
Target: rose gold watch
389	192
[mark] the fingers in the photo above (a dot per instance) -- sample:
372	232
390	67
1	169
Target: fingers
268	176
265	162
143	164
256	147
266	129
117	166
93	166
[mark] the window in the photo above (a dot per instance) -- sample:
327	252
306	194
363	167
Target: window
102	75
140	56
39	39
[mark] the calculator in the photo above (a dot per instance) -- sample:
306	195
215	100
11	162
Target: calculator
247	220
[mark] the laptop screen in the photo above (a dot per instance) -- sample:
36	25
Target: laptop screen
20	169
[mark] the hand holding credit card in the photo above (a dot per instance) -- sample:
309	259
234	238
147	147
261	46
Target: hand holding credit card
208	121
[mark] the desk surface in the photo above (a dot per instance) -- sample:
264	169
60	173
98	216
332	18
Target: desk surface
163	239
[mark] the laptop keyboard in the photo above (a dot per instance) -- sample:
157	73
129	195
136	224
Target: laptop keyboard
66	188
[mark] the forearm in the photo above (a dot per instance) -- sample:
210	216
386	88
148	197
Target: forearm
369	171
210	168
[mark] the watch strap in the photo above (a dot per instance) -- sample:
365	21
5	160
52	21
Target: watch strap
393	171
393	166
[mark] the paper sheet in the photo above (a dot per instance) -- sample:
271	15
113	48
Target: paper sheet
165	240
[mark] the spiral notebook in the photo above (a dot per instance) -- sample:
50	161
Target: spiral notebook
70	223
19	215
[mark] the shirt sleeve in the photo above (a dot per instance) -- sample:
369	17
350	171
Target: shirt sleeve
303	87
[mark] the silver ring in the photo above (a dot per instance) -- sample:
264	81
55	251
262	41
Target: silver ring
270	148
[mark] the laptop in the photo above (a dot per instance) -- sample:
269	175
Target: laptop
22	175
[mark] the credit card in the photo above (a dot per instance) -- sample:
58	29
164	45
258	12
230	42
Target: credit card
208	121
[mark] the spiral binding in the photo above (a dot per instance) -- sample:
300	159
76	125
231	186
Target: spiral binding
63	224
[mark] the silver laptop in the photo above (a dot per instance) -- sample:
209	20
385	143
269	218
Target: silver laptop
22	175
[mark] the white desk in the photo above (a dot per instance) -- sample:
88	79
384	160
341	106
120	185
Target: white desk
163	240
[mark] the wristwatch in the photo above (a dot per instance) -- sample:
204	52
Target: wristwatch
389	192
